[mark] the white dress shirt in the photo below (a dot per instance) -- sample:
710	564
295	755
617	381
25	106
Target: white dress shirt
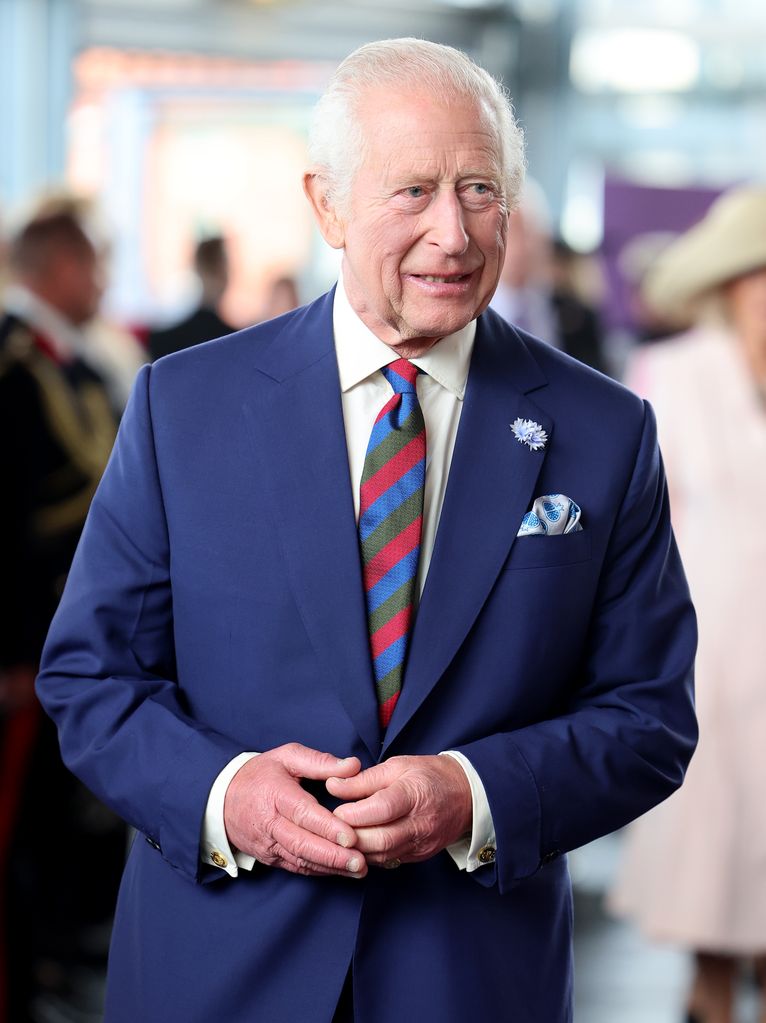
364	391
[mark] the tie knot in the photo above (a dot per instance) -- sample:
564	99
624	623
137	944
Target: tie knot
402	375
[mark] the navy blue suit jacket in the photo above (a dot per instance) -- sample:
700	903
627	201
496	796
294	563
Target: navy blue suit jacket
216	605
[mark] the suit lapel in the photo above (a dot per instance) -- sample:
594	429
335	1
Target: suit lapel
491	486
298	428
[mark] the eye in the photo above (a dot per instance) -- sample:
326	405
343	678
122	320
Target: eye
412	198
478	195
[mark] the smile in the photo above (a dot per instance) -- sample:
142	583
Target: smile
445	279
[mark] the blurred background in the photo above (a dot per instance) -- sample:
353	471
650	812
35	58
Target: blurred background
185	118
180	121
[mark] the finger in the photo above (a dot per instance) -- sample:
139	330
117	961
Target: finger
303	810
280	857
382	844
299	855
385	806
311	849
365	783
304	762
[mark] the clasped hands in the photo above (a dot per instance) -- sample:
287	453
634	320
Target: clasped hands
406	809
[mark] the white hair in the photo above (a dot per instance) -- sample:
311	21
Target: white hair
337	144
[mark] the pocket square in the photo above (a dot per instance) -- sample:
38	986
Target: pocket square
552	515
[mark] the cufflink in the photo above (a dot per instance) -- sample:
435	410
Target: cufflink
218	859
486	854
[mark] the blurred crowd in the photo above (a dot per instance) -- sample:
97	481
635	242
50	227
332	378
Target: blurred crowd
65	376
695	868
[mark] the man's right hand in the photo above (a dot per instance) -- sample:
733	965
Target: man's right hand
268	814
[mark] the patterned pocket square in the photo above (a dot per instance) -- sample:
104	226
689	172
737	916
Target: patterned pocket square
552	515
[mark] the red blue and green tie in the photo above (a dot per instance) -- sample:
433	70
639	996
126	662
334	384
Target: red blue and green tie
390	527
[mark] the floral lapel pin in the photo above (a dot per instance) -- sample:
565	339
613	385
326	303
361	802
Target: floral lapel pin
527	431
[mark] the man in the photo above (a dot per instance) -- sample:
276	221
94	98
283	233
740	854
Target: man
223	604
56	431
211	265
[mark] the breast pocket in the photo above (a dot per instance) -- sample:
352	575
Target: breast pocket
539	551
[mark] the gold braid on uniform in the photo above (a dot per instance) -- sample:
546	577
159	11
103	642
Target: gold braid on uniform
82	424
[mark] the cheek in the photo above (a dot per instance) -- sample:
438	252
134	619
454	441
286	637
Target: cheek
373	247
495	255
492	238
388	258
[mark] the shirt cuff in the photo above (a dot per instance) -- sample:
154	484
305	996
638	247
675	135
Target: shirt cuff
214	843
477	849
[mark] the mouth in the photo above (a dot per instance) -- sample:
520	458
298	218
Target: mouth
441	278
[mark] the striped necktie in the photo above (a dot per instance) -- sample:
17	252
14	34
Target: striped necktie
390	525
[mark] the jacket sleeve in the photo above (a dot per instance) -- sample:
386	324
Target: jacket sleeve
628	730
108	675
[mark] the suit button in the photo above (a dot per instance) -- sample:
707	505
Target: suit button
550	857
486	854
218	859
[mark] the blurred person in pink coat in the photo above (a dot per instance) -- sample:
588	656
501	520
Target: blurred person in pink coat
694	870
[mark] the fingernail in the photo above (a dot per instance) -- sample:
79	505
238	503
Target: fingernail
343	839
354	866
346	760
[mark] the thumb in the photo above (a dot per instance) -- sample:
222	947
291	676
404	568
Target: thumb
363	784
304	762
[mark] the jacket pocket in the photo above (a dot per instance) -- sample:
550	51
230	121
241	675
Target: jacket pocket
540	551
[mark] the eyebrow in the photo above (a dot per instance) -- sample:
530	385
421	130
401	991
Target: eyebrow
405	180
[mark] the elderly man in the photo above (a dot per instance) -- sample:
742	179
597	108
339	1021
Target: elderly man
418	561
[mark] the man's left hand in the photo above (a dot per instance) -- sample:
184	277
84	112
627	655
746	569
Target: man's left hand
406	809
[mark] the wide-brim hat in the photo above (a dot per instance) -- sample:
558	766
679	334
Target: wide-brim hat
729	242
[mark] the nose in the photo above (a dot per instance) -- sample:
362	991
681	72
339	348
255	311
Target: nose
447	228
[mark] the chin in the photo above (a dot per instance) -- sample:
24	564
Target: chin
413	345
442	327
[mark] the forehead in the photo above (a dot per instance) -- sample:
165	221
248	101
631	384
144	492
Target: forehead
410	127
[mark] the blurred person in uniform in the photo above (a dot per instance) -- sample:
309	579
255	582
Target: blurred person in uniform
60	850
114	352
694	869
533	296
204	323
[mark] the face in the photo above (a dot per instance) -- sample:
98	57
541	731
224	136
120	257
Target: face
76	282
424	232
746	298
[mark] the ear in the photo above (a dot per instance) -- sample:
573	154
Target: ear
330	223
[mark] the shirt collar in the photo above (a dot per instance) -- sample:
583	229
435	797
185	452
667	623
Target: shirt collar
65	339
360	353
